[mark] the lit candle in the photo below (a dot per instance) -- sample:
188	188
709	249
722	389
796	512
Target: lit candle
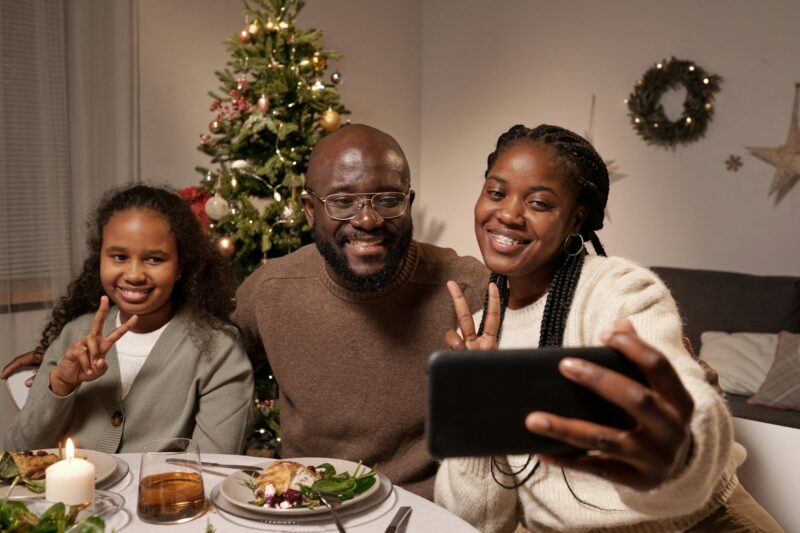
70	481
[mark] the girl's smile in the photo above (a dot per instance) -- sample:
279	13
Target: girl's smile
139	266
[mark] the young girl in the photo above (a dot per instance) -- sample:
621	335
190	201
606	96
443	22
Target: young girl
544	195
163	361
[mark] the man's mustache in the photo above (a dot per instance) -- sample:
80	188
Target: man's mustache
364	235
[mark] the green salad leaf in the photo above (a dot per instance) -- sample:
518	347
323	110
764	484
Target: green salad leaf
8	468
345	485
15	517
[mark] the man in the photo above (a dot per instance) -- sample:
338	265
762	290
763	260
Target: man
347	324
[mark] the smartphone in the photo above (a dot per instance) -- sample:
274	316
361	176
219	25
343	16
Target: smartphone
478	400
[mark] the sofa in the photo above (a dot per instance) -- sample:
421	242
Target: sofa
714	301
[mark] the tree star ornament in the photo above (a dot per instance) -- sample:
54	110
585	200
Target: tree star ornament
786	157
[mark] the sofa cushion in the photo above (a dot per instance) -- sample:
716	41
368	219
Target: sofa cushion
742	360
781	388
726	301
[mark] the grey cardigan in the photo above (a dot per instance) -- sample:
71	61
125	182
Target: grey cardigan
179	392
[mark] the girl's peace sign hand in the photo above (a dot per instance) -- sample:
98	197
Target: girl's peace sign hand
491	324
85	360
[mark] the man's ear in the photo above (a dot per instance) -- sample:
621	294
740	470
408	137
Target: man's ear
411	196
308	208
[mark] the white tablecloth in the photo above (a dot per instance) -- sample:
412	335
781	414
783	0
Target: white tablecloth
426	516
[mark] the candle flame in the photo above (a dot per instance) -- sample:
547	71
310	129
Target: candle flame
70	451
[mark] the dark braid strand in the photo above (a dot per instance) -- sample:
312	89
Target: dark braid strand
559	300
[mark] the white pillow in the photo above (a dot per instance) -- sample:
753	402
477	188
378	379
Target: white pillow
742	360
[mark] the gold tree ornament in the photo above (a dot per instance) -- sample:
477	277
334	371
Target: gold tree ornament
225	246
317	62
785	158
330	120
244	35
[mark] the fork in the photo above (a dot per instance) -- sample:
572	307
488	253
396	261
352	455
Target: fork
332	502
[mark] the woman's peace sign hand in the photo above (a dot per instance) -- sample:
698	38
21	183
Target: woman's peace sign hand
86	359
491	324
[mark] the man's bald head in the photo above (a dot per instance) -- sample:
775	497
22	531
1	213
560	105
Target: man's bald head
354	164
353	150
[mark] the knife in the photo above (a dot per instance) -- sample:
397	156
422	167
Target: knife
185	462
399	516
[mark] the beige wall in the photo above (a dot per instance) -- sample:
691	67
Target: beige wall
181	47
447	77
487	66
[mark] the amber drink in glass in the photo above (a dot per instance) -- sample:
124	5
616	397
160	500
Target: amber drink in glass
170	482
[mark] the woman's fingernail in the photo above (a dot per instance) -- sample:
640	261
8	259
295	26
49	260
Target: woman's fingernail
538	423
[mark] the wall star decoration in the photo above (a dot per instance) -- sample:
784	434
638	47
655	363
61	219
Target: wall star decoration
786	157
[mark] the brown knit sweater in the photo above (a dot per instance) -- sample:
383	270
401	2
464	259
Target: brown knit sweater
351	365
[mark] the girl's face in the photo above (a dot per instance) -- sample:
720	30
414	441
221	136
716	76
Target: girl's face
523	215
139	266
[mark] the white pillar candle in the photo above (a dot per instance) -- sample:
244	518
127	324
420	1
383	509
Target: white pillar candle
71	480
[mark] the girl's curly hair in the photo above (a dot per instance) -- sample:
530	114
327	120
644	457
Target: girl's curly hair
206	286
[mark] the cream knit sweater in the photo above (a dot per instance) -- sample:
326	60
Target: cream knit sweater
609	289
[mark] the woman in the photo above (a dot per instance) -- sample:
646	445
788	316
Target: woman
544	196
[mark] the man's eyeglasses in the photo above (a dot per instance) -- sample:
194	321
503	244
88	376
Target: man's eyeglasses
344	206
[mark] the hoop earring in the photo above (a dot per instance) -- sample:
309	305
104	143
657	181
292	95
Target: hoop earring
568	244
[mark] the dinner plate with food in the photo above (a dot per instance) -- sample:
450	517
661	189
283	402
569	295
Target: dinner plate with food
28	467
292	487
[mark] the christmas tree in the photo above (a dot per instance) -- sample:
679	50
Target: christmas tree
272	107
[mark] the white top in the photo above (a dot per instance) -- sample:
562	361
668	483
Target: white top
609	289
132	351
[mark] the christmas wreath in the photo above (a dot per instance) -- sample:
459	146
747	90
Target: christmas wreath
647	114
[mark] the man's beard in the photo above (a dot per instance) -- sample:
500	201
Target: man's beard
369	282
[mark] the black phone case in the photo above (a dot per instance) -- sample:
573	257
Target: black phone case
478	400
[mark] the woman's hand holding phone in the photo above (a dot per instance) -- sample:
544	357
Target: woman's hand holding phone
645	456
85	360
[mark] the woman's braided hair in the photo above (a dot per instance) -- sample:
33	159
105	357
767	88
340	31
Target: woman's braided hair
584	170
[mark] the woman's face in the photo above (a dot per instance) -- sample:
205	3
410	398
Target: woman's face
523	215
139	266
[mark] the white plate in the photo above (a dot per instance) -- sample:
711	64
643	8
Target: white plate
104	467
234	490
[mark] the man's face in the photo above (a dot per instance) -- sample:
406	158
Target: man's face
365	252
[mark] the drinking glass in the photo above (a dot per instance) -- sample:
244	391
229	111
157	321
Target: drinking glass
170	482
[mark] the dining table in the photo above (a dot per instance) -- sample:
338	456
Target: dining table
425	516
